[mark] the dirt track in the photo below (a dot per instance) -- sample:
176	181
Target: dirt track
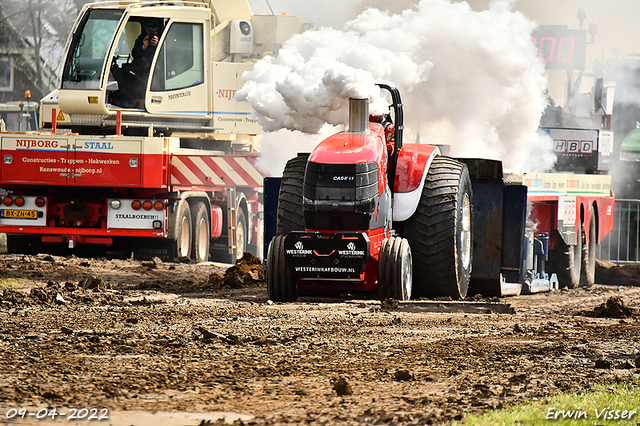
157	337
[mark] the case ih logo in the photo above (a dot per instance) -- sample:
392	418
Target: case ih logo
227	93
573	146
32	143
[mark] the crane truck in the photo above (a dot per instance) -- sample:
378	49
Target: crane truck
366	213
145	154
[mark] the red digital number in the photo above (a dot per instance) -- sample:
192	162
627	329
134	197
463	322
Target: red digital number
547	47
565	53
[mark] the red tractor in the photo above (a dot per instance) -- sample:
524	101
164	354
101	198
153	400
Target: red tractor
366	213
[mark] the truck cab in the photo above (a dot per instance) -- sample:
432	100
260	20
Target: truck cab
185	80
108	69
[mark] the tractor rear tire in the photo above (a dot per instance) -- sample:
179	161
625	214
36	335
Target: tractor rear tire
280	286
290	216
588	274
395	278
440	232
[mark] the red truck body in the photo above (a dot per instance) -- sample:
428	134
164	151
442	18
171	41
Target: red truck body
61	188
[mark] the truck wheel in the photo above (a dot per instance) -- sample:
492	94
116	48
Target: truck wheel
565	262
201	233
440	232
290	216
182	231
588	275
280	286
257	247
241	235
395	270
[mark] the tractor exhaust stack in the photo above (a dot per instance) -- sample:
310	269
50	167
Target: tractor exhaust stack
358	115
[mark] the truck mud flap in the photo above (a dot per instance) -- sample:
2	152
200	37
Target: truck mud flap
148	248
334	256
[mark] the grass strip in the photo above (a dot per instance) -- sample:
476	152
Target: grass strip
612	403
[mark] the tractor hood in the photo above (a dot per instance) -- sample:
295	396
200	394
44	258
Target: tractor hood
350	148
363	143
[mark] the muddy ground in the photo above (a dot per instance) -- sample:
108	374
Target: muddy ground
188	343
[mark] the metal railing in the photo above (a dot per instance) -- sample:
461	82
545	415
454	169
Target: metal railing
622	245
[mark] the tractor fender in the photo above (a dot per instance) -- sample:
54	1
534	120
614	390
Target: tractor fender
413	164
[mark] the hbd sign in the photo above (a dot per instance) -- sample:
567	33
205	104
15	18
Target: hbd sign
573	146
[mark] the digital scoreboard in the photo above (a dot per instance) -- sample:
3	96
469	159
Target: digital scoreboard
561	48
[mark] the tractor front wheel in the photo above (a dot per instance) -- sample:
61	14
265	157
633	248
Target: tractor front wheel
395	269
280	285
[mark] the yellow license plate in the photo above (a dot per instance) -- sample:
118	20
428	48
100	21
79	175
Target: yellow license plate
19	214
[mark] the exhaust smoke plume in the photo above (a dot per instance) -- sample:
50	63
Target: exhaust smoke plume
468	79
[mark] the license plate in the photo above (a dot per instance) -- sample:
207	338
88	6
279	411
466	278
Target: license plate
19	214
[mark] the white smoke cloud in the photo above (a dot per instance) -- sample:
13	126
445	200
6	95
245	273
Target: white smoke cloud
468	79
310	81
280	146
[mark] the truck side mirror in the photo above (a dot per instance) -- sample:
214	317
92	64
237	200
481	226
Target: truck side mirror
598	94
